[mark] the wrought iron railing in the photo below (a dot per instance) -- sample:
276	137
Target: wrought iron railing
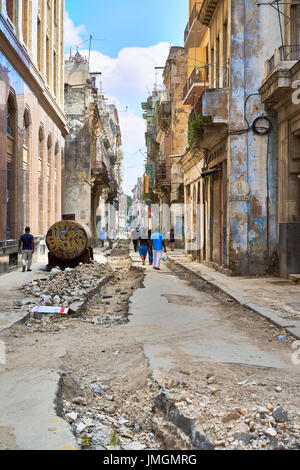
289	52
198	75
193	16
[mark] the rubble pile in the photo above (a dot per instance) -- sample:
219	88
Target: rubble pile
100	421
268	426
70	288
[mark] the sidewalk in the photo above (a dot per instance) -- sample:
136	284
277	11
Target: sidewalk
274	298
10	284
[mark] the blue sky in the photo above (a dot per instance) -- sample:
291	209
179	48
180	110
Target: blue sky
137	37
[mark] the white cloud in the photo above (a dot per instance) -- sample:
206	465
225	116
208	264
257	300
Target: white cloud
131	76
72	33
128	80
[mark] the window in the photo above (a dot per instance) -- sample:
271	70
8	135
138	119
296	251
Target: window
9	119
295	32
48	60
40	179
10	10
49	181
25	21
39	44
10	164
26	165
8	200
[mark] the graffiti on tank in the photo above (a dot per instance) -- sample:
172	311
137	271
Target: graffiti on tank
66	240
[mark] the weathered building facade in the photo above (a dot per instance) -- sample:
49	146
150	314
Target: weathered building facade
280	94
92	149
231	165
32	121
168	141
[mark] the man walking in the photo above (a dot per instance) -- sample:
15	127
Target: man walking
157	244
135	235
27	243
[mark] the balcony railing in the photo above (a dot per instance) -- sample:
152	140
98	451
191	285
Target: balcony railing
193	16
271	64
162	173
198	76
289	52
164	114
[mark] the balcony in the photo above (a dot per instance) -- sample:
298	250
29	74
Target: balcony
214	106
164	115
280	73
207	11
194	31
162	176
100	174
195	85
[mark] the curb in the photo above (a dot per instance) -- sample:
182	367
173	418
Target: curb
262	312
167	406
78	310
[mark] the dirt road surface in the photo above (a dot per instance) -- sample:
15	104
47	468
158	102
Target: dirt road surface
160	360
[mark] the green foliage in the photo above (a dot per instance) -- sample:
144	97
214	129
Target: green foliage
195	129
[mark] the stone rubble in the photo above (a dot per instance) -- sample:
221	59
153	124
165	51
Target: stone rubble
268	426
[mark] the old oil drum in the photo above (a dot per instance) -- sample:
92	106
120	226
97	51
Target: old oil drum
68	239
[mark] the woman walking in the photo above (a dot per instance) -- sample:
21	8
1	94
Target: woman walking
172	239
144	246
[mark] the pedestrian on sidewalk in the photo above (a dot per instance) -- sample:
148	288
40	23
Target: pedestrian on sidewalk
26	243
143	245
150	248
172	239
103	236
158	245
135	235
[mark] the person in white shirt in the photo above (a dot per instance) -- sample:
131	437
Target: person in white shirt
157	244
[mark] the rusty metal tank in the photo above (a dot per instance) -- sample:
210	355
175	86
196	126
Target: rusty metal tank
68	240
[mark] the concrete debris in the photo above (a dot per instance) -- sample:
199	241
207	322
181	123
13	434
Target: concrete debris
69	288
280	415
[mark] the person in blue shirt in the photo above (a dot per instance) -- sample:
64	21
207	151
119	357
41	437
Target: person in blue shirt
103	236
27	243
157	244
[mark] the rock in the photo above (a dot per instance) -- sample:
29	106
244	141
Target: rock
80	427
241	428
212	380
252	426
280	414
278	389
127	433
270	406
244	437
99	389
88	423
135	446
79	401
213	390
231	416
271	432
72	416
262	409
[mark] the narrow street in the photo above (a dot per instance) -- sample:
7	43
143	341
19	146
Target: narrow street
157	360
